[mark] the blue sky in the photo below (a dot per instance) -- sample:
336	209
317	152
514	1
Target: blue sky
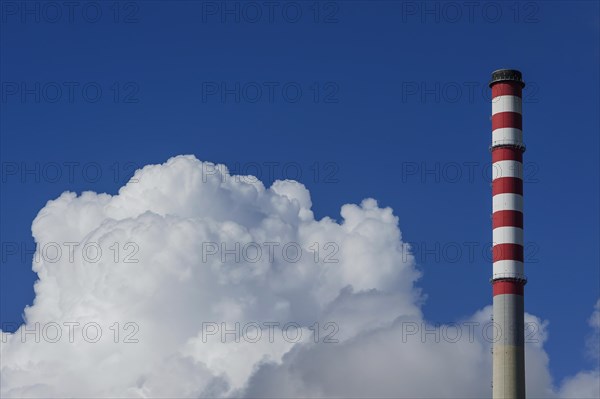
354	99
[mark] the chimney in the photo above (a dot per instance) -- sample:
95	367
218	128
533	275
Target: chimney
508	279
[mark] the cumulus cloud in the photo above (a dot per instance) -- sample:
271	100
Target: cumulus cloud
586	384
593	343
192	282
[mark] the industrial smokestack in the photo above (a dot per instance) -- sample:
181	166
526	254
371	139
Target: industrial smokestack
508	278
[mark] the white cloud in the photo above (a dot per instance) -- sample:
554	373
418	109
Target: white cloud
586	384
593	342
176	220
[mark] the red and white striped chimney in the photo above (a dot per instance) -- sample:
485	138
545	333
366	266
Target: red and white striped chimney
508	248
